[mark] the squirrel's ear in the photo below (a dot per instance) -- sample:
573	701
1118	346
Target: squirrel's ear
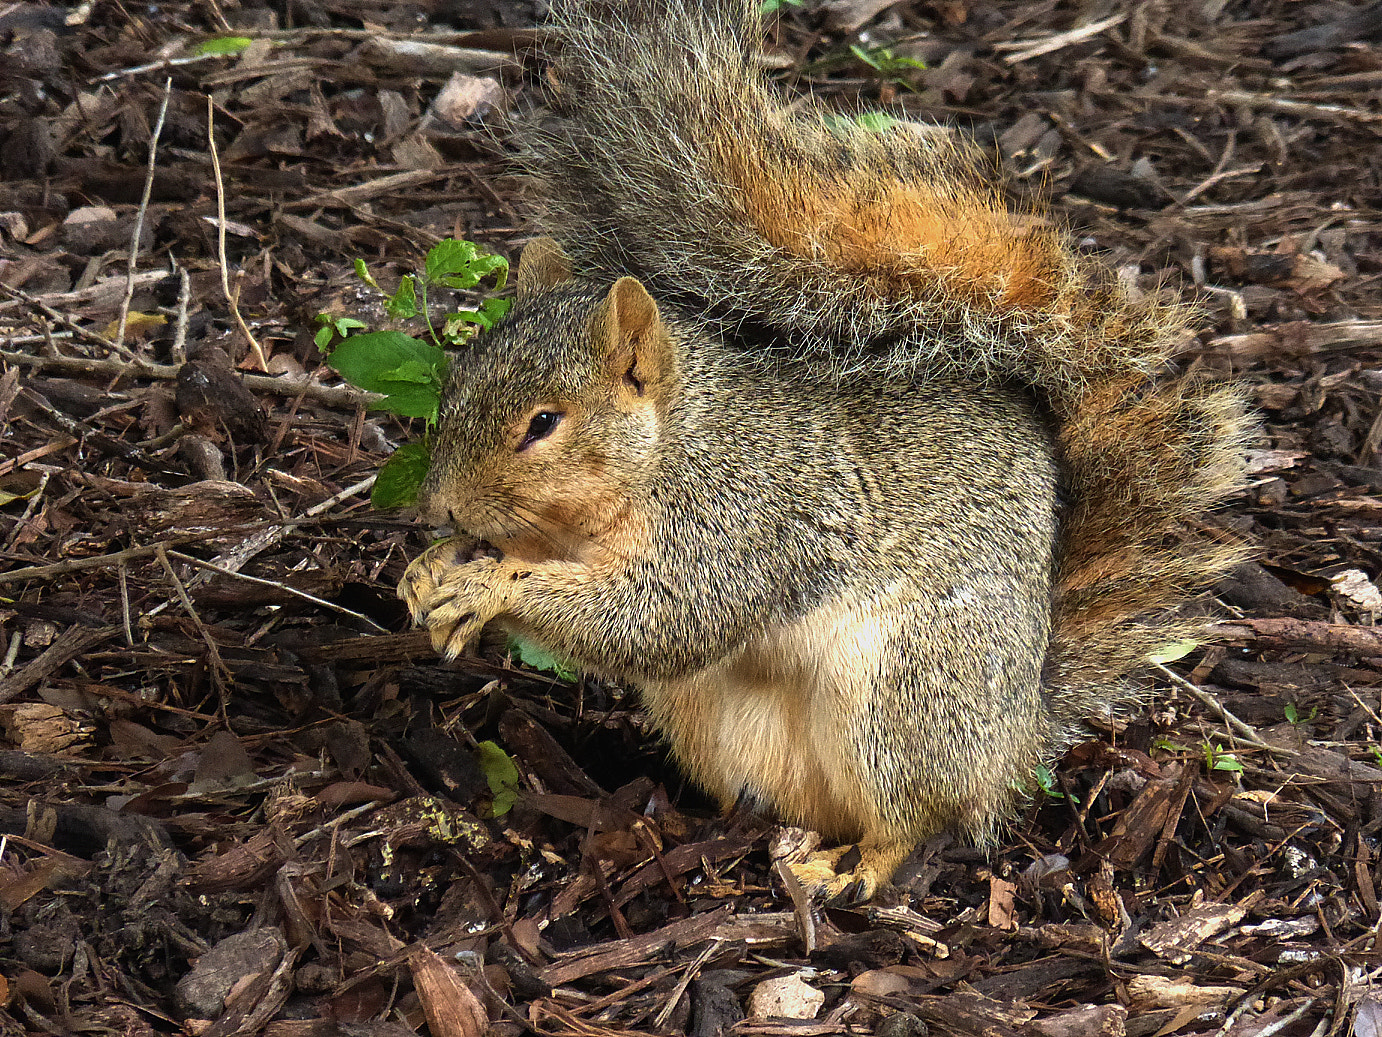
541	264
640	353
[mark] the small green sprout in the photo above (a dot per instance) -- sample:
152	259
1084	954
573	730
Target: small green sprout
1168	746
1046	782
1295	717
1215	759
535	657
501	775
329	327
222	46
890	66
1169	653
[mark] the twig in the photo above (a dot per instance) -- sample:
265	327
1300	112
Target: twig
69	323
692	971
71	643
143	210
35	499
1269	103
1243	730
363	192
11	654
166	63
1024	49
231	298
72	565
263	541
1278	1025
33	455
178	350
123	573
97	292
83	430
280	385
1284	631
221	674
280	586
1224	159
221	24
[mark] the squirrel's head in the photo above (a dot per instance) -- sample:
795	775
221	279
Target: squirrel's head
550	423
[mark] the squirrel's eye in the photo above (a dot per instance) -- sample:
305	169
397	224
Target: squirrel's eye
540	427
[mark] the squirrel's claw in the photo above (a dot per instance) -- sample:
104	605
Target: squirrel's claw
454	628
818	877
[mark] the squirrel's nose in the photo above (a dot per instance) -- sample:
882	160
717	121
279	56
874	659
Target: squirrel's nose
431	510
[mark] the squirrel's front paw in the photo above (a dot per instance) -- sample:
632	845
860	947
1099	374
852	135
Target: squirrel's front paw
454	593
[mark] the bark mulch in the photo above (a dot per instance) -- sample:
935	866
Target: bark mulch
243	797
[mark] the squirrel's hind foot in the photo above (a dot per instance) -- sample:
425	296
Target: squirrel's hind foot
849	874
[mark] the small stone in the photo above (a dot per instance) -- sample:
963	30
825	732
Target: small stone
787	997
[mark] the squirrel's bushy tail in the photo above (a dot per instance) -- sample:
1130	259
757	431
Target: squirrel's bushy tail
669	157
1143	463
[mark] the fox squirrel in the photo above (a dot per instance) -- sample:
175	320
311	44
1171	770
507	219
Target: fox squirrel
873	488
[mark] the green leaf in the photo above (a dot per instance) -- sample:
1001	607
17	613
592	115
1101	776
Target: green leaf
502	776
537	657
222	45
365	360
9	498
482	267
1173	651
410	400
362	272
875	122
461	265
401	476
402	305
406	371
414	371
490	311
450	256
324	336
1046	781
864	56
493	310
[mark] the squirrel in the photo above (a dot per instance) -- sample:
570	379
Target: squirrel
875	489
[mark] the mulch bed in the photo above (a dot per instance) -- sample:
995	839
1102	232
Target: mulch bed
242	796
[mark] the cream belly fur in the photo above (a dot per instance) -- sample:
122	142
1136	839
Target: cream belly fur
772	720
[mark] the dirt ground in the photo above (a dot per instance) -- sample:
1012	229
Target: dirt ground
241	796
